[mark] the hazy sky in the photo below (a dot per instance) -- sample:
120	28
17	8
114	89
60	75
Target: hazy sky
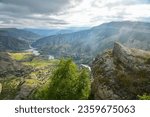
70	13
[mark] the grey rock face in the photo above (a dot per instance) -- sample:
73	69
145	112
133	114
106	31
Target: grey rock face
135	59
122	73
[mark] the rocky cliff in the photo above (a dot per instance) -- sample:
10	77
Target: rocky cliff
121	73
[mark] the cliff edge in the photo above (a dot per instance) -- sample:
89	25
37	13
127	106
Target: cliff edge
121	73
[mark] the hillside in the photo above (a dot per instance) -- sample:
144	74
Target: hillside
123	73
19	34
49	32
12	39
84	45
8	43
9	66
21	74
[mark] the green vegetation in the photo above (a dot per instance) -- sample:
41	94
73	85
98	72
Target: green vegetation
36	62
10	88
144	97
133	83
38	72
148	61
67	82
20	56
46	79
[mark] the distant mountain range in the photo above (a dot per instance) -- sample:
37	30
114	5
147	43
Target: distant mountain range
16	39
88	43
49	32
12	44
20	39
82	44
19	33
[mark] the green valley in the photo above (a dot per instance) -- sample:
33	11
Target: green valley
33	78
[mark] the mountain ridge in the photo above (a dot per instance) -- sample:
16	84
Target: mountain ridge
19	34
8	43
95	40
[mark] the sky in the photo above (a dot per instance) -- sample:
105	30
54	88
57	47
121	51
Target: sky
70	13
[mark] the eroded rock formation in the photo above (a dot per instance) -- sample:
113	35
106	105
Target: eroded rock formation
121	73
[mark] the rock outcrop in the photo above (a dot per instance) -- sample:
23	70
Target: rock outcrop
121	73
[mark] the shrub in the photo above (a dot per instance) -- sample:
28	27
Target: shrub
67	82
144	97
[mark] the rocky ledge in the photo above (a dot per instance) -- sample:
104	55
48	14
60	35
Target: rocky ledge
121	73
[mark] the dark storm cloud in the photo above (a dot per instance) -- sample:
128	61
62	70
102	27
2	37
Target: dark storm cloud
35	6
64	13
19	11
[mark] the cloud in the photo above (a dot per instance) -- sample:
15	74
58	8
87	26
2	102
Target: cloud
36	6
19	12
114	3
74	13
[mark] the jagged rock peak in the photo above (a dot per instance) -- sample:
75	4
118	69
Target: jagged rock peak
119	50
123	73
135	59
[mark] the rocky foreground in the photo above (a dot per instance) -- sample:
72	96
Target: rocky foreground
121	73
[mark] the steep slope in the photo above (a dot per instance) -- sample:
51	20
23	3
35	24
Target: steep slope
72	45
21	74
10	43
19	34
89	43
49	32
123	73
9	66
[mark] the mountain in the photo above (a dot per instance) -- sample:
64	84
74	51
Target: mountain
64	45
49	32
19	34
86	44
121	73
8	43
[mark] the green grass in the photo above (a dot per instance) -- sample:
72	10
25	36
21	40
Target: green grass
20	56
42	69
144	97
41	63
31	81
10	88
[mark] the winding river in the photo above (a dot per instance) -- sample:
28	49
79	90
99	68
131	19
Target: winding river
33	50
36	52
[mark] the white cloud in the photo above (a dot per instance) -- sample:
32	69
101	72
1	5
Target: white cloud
80	13
95	12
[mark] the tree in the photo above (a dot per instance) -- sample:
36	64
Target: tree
84	84
67	82
63	81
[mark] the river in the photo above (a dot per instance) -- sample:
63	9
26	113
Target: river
33	50
36	52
